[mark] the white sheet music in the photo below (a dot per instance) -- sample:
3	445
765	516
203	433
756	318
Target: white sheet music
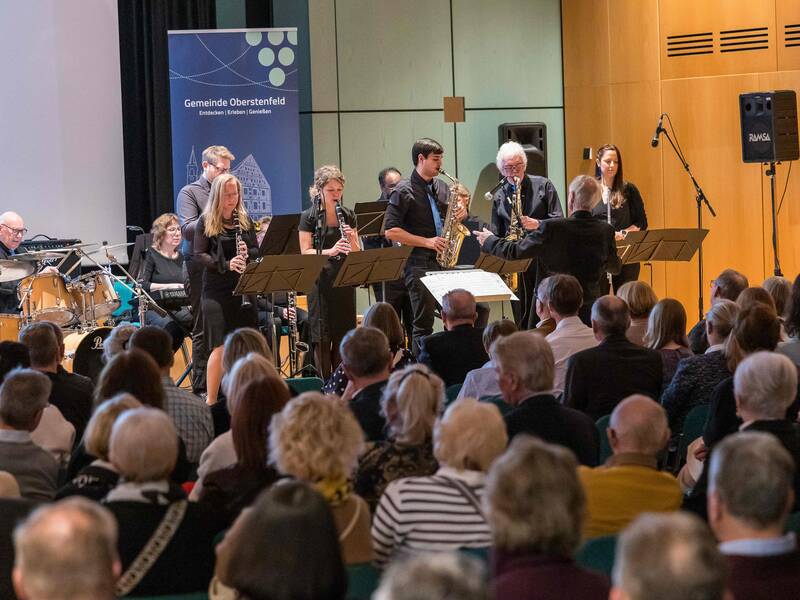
486	287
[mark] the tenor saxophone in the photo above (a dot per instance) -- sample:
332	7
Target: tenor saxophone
515	230
453	231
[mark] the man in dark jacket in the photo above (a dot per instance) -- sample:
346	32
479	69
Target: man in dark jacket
599	378
580	245
453	353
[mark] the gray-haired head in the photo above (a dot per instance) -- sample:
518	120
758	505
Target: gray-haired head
23	396
439	576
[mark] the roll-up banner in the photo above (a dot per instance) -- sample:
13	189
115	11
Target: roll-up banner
238	88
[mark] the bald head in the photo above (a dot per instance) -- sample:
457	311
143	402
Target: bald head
11	229
610	316
638	424
458	307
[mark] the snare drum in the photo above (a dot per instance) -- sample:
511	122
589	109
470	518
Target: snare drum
95	286
83	352
48	299
10	326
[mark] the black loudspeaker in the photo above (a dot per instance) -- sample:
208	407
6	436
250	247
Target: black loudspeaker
769	126
532	137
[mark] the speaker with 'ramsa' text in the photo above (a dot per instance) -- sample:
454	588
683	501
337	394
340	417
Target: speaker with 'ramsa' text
769	126
533	138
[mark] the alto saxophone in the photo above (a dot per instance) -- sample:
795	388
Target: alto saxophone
453	231
515	230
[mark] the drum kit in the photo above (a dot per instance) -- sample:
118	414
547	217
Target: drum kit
82	306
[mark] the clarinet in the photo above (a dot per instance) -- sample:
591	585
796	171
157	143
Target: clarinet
238	228
342	223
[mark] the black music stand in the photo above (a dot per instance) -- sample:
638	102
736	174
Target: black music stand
373	266
369	217
280	273
281	236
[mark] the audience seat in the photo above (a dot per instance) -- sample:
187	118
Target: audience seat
499	403
362	581
605	447
793	522
305	384
692	428
598	554
451	393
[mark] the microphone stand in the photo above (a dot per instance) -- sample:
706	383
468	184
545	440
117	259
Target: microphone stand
700	198
319	239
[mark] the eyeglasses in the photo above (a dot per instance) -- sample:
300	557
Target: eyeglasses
16	232
513	166
173	229
222	170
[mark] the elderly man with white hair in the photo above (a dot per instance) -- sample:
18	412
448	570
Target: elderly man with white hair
538	201
629	483
66	551
765	385
12	231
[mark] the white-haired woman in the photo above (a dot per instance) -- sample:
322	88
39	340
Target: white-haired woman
317	439
538	201
411	402
443	511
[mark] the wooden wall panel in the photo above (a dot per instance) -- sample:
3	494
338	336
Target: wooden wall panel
706	113
587	115
787	12
633	40
681	17
584	35
789	216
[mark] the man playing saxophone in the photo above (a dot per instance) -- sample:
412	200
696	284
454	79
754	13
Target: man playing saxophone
415	217
517	208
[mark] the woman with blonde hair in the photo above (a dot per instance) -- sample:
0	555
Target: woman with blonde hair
443	511
666	332
641	299
238	343
329	228
224	222
411	402
317	440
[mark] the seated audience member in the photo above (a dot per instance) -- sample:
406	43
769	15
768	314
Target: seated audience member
441	576
66	551
23	398
697	376
565	299
791	347
366	360
728	285
766	385
535	506
524	366
238	343
641	299
666	332
191	416
780	289
411	402
285	546
117	341
221	453
629	483
13	355
452	353
443	511
144	450
54	433
482	382
72	394
754	295
227	491
380	315
669	557
547	323
317	440
9	488
756	329
750	494
598	378
99	477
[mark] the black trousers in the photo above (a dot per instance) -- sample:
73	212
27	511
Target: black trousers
423	304
193	280
397	295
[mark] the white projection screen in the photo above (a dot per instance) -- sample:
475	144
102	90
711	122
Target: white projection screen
61	119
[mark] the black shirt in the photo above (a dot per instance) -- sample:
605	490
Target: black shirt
9	302
73	395
189	205
410	209
630	213
215	253
539	200
161	269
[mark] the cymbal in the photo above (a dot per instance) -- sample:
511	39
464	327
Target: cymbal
37	255
11	270
112	247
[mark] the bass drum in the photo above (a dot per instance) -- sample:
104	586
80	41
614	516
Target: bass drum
83	352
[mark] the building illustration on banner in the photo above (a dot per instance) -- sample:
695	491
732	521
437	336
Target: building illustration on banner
256	190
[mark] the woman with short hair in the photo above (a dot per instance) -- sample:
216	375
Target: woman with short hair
443	511
641	299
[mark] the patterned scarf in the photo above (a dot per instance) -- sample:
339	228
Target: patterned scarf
335	491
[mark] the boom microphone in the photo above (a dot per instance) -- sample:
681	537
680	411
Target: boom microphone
488	195
659	129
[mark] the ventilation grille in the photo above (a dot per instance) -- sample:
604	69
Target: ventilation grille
744	40
791	35
690	44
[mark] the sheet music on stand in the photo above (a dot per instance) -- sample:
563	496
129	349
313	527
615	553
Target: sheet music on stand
486	287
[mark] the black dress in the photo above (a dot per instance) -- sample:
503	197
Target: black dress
222	311
630	213
158	268
337	307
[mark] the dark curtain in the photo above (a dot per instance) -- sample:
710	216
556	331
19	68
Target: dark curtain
147	140
258	13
